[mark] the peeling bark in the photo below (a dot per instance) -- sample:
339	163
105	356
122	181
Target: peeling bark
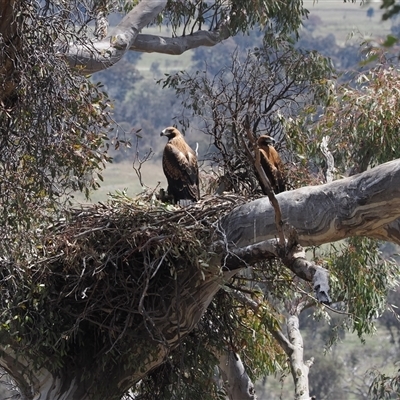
39	385
367	204
100	55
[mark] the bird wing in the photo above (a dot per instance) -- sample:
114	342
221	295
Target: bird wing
267	167
273	167
278	171
180	168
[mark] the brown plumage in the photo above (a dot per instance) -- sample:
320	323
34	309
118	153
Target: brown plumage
271	163
180	167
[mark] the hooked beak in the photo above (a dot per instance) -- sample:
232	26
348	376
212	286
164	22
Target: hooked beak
269	141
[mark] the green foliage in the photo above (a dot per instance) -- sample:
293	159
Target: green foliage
84	298
384	387
391	7
189	372
54	124
86	303
228	324
239	15
361	280
360	120
252	87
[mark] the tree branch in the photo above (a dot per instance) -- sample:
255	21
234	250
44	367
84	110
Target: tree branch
293	257
291	345
298	367
96	56
236	381
266	184
330	161
178	45
367	204
276	333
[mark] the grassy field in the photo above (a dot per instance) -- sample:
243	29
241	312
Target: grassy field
121	176
149	63
344	19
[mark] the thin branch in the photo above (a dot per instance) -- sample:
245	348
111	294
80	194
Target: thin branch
329	159
276	333
292	256
266	185
97	56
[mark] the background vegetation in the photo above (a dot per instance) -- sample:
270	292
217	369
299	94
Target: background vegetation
335	30
289	90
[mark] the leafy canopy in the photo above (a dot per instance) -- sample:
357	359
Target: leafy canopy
53	121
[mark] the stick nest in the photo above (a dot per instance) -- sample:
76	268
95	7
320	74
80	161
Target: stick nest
107	272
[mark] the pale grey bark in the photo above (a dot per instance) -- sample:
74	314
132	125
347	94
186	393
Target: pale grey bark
178	45
96	56
293	256
292	345
330	161
237	383
8	387
367	204
31	385
294	348
90	57
298	366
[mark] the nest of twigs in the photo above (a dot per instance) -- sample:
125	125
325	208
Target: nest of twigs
108	272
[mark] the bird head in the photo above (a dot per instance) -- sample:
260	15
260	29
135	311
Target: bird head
170	132
265	140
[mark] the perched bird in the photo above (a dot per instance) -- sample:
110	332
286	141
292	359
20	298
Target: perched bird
180	167
271	163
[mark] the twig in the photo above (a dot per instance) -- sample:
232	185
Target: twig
140	161
329	159
266	186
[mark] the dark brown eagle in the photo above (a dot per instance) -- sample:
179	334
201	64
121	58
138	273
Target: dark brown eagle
180	167
271	163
